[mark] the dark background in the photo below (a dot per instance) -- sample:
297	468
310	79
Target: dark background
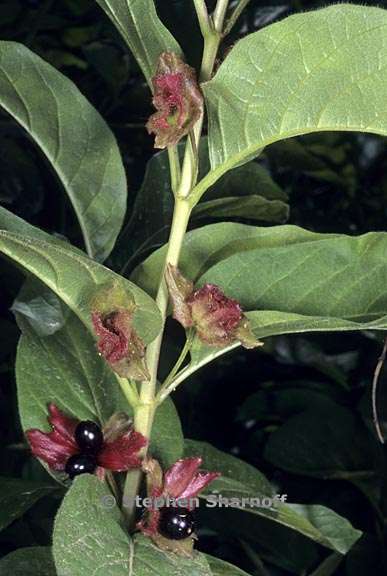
255	406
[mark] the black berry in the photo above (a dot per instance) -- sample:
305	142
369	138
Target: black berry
88	436
80	464
176	523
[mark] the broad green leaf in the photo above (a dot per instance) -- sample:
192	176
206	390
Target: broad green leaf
75	278
327	441
89	538
206	246
334	283
63	367
17	496
222	568
318	523
247	192
142	30
289	280
330	63
88	535
77	142
33	561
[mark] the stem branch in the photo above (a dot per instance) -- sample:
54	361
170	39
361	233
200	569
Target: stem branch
169	384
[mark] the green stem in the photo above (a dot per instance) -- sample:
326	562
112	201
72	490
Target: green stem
144	409
234	16
219	15
179	226
168	386
203	17
174	167
130	391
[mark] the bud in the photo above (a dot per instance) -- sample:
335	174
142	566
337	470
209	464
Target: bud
118	343
177	99
218	320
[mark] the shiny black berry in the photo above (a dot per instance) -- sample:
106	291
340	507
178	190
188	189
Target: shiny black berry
80	464
176	523
88	436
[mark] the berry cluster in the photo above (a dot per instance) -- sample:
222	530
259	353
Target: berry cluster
89	438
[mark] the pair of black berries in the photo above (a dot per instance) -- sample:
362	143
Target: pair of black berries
174	523
89	438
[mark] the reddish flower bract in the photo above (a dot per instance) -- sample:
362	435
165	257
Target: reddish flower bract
117	453
183	480
177	99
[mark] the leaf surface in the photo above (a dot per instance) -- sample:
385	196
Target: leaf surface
331	64
142	30
76	140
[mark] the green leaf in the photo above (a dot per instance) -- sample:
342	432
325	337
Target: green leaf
222	568
151	561
142	30
206	246
17	496
63	367
75	278
337	83
289	280
90	539
78	143
33	561
239	481
327	441
330	283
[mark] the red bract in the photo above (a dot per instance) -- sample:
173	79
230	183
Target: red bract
119	344
182	481
118	452
114	333
177	99
215	316
218	320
